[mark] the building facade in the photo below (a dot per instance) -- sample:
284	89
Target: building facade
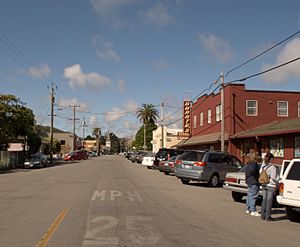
164	137
245	110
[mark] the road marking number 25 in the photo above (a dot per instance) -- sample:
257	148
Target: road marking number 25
140	232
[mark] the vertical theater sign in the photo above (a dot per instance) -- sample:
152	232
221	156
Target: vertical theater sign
187	104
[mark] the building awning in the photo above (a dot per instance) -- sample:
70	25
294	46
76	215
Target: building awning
275	128
203	139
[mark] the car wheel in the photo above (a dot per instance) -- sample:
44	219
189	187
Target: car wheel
237	197
166	173
292	214
185	180
214	180
149	167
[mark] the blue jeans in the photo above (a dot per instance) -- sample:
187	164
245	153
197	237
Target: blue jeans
251	197
266	205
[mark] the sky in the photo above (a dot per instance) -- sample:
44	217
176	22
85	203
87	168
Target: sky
108	57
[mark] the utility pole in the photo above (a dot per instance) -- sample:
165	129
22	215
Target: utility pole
222	113
83	127
162	123
74	119
52	99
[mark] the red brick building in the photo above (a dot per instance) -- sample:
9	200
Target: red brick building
258	119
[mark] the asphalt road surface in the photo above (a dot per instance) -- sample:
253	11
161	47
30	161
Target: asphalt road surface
109	201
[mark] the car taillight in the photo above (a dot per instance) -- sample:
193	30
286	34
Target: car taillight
178	162
171	164
232	180
161	163
200	163
281	188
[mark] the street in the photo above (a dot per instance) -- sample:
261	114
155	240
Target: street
110	201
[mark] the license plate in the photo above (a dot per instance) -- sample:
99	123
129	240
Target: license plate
166	164
186	166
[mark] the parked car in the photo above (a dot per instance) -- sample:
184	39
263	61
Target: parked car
37	160
167	166
92	154
164	154
139	156
289	190
76	155
132	157
236	182
148	160
205	166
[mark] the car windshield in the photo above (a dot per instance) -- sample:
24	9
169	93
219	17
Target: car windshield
36	156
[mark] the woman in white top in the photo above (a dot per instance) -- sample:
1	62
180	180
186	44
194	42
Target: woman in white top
269	190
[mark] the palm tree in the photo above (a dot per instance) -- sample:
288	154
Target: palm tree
146	114
97	132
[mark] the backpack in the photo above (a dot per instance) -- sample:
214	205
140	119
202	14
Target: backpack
263	176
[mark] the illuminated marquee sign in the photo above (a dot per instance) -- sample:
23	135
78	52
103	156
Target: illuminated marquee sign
187	118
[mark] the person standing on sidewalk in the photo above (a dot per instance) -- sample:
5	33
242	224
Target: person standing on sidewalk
252	174
269	190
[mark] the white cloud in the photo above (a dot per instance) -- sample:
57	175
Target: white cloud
131	105
105	7
107	52
114	114
121	86
93	122
109	10
158	15
43	71
131	126
218	48
73	102
78	78
292	70
161	64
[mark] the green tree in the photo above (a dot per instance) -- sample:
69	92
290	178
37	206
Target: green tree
114	143
15	120
139	137
147	114
34	142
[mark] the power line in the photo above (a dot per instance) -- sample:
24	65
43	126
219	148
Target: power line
265	71
14	48
260	54
99	113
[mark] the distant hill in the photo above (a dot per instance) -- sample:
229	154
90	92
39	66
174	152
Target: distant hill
44	130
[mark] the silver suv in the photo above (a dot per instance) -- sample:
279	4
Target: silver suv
206	166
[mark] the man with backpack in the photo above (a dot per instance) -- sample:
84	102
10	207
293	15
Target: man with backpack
269	186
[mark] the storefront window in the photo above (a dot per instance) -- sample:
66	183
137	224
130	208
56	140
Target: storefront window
276	147
245	147
297	147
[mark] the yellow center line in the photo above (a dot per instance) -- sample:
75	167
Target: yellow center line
46	237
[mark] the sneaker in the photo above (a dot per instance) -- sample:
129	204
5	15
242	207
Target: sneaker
247	211
255	213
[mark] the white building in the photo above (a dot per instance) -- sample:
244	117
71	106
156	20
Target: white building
166	138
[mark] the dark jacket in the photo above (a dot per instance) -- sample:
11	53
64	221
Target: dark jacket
252	173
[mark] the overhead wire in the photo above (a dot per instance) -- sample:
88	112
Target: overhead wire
244	63
265	71
261	53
